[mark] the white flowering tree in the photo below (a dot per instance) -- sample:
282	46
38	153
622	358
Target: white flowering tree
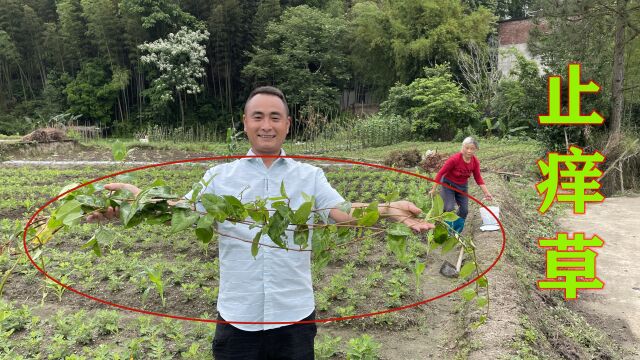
179	58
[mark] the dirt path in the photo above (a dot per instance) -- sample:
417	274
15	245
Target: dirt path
616	307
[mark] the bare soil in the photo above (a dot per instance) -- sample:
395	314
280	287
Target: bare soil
70	151
616	308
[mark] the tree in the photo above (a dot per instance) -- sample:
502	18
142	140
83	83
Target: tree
434	103
479	67
179	59
303	54
72	30
92	94
413	34
8	56
598	34
158	16
370	47
521	97
231	25
103	27
514	9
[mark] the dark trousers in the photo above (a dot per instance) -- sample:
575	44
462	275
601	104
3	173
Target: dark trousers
451	198
290	342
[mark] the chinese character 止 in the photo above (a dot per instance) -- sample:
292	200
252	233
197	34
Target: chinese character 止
575	89
579	190
570	266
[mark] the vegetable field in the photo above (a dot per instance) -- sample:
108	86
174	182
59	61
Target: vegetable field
148	267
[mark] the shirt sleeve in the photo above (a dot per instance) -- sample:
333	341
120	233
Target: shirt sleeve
448	165
207	188
476	172
326	196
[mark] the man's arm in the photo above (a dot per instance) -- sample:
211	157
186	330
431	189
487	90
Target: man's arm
113	213
401	211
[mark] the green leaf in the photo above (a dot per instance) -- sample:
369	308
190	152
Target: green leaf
344	206
69	213
101	236
283	193
125	178
301	216
482	301
157	192
440	233
215	206
127	212
158	183
449	244
481	320
104	236
482	282
90	202
119	151
419	268
450	216
308	198
93	244
122	195
255	244
37	254
182	219
153	219
235	209
467	269
370	216
301	235
276	227
437	205
398	245
399	229
67	188
195	192
204	229
259	215
468	294
393	196
277	198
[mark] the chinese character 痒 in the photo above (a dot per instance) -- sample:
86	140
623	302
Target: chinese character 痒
578	190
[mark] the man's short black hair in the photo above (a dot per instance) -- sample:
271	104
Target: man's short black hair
269	90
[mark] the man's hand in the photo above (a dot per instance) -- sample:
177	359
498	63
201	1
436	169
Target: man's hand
111	212
405	212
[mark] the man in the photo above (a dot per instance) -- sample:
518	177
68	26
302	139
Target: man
276	285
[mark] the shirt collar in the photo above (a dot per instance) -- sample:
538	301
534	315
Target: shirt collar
251	153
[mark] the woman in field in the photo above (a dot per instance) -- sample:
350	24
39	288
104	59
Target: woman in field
456	172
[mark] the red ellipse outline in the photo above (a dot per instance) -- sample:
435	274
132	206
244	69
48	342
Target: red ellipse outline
216	158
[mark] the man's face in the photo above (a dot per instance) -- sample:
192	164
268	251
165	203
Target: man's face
266	124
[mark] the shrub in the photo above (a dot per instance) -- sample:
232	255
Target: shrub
10	125
434	104
520	99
